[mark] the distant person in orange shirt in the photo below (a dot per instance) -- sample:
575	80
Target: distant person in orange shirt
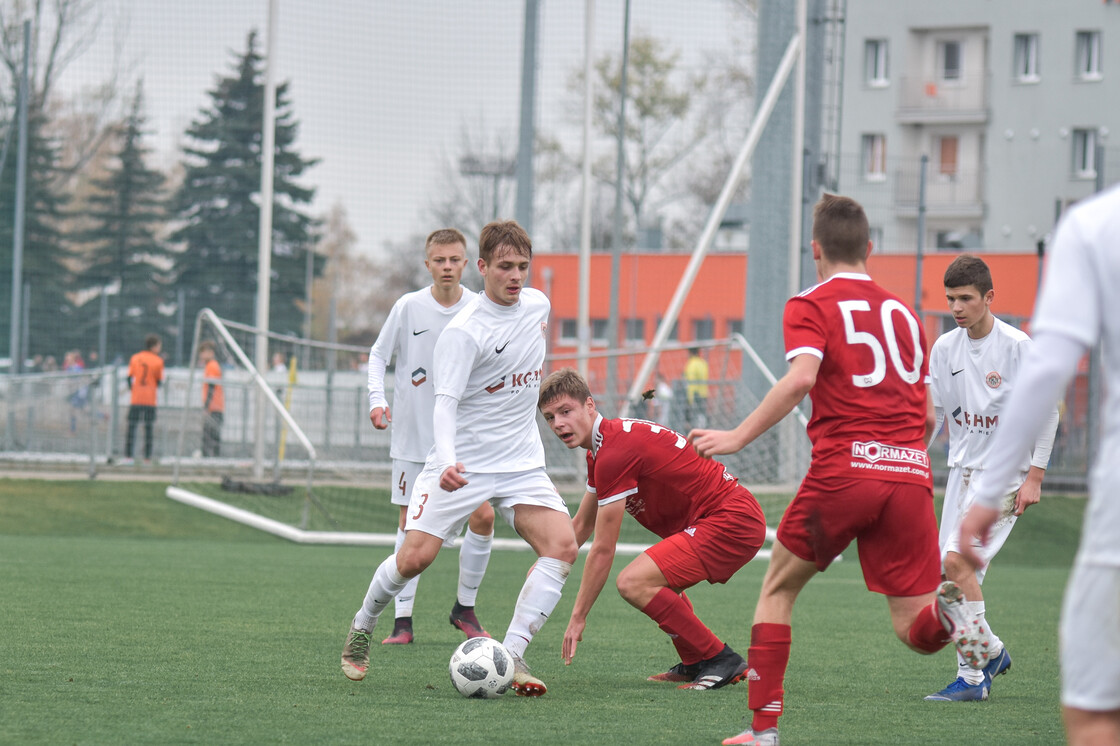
145	374
213	400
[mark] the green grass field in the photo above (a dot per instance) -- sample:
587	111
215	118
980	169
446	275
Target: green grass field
128	618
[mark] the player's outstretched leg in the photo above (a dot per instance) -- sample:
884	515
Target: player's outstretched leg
768	737
723	669
355	654
969	633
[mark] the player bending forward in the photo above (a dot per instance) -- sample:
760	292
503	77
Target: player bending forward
489	363
410	333
859	352
972	369
710	526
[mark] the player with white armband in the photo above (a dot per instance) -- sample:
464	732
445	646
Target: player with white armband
973	369
415	322
1075	311
488	366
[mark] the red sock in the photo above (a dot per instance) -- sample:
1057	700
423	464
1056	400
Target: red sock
927	632
767	660
675	617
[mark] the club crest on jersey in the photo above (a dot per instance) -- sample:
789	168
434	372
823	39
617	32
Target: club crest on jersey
691	531
993	380
419	376
873	452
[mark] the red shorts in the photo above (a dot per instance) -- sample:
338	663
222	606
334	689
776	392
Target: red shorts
715	546
893	523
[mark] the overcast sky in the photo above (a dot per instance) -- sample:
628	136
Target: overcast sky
381	88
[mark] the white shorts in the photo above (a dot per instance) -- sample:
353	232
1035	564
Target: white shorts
404	476
442	514
959	496
1090	639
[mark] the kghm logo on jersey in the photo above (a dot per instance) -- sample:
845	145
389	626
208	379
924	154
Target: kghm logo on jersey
419	376
993	380
874	452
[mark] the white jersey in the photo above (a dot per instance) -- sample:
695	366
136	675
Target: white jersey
410	333
970	379
491	359
1078	300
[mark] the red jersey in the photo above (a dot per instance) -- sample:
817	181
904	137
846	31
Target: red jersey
869	400
665	484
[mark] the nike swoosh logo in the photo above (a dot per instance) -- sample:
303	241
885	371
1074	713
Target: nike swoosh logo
416	334
954	372
498	350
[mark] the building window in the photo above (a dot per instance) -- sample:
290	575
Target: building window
703	329
947	149
635	332
875	234
1026	58
674	333
569	332
1088	55
875	62
949	61
874	157
734	326
599	332
1085	154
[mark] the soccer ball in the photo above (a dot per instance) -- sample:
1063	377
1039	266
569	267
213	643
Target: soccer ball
481	668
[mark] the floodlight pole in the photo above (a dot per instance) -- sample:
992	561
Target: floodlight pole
584	322
15	341
264	245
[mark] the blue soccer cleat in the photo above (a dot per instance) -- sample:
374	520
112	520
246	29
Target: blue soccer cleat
961	691
999	664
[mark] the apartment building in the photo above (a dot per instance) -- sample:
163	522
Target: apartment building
1015	103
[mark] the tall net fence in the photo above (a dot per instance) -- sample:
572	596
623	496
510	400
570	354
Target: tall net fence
294	447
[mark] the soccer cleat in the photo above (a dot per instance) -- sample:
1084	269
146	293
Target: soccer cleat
355	654
679	672
969	634
998	664
722	669
526	684
961	691
464	619
402	632
768	737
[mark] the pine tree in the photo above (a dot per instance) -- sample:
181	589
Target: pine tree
218	204
128	211
47	276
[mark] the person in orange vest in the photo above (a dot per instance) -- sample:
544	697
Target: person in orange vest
213	400
145	374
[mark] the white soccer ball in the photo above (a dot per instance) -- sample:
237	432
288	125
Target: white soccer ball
481	668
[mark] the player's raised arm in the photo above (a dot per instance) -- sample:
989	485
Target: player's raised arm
779	401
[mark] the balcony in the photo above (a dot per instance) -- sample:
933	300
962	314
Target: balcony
926	100
957	195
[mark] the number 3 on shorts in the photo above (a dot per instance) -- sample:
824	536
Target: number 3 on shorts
420	508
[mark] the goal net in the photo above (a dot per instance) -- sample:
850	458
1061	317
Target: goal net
294	452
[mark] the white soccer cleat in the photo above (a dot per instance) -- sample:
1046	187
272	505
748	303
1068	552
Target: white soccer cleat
355	654
526	684
970	634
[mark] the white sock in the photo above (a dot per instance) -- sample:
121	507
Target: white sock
386	584
538	598
474	555
968	673
403	603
